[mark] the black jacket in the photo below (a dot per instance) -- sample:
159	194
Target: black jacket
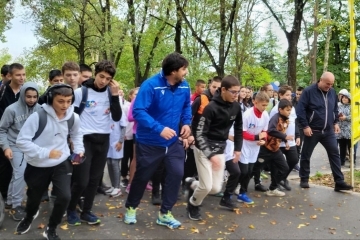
7	97
42	97
317	109
212	129
115	108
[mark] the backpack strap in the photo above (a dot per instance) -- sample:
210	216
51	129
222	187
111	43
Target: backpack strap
42	122
2	91
84	97
70	122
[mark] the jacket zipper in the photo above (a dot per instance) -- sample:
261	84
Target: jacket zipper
311	117
326	109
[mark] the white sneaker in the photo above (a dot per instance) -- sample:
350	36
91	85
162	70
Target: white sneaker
109	191
275	193
237	190
116	192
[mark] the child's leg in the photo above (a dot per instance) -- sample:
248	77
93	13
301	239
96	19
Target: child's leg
291	158
279	168
114	171
232	182
244	177
18	184
61	180
37	180
343	149
218	176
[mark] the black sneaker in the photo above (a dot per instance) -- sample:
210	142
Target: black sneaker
342	187
155	199
285	184
124	182
227	202
304	184
8	206
50	234
18	213
193	212
25	224
261	188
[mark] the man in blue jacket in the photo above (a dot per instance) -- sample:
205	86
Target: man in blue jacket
317	113
162	103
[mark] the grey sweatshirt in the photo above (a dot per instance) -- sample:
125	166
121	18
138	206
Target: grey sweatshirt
14	118
53	137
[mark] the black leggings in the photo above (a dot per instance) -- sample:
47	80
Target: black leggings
246	174
128	156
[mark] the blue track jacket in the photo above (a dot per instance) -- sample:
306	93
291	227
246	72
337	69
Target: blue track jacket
159	105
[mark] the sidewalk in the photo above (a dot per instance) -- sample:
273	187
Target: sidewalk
315	213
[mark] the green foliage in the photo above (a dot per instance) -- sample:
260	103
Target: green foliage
255	76
5	56
6	14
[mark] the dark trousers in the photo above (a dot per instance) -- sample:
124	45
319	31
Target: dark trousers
158	178
38	180
148	159
245	176
190	169
344	146
5	174
299	148
328	140
233	179
128	156
256	171
278	165
291	158
87	176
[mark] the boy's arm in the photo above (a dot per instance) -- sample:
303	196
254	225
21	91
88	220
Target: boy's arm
238	132
77	136
202	129
272	131
115	108
24	140
6	121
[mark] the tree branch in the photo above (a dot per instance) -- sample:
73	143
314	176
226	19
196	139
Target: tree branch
281	23
63	33
151	15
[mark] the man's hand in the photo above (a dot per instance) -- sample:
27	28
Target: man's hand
185	132
298	142
77	163
261	142
337	128
114	88
308	132
215	163
8	153
191	140
289	137
55	154
118	146
236	157
342	118
168	133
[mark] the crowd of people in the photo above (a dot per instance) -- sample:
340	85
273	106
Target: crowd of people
159	138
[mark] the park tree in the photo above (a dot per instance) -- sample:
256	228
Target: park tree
6	14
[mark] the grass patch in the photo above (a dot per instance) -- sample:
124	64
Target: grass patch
328	180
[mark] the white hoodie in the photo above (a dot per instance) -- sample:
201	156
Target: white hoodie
54	136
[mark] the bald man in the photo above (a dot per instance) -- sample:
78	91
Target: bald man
317	113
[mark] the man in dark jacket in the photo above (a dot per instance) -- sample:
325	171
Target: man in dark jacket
317	112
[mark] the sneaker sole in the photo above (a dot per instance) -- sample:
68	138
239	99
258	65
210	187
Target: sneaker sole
165	224
117	195
274	195
130	223
241	201
45	235
194	219
226	207
90	223
21	233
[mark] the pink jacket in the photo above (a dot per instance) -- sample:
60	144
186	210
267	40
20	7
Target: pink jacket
130	116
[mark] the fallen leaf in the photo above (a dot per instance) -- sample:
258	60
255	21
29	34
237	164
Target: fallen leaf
257	195
273	222
313	217
120	215
301	225
194	230
202	222
251	226
292	207
302	213
64	227
41	226
237	211
263	213
108	204
320	209
332	232
181	228
112	207
307	224
330	228
337	218
231	229
124	234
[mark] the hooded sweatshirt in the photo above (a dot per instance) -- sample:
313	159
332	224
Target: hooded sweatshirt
8	97
54	137
14	118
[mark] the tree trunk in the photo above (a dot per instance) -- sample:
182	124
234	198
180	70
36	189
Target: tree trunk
313	53
292	53
328	36
178	29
